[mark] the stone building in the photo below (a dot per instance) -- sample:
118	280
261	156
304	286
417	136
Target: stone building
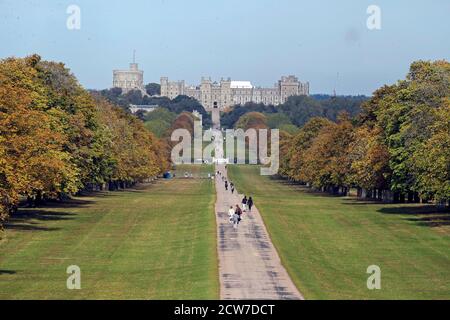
228	92
127	80
146	108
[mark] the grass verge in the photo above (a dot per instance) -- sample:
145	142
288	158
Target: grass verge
327	243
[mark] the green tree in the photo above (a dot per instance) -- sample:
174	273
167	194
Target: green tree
277	120
302	141
254	120
431	159
407	115
161	114
153	89
158	127
370	159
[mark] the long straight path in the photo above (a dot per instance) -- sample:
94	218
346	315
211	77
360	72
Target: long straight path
249	265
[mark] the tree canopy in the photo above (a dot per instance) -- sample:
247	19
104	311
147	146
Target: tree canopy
252	120
57	139
153	89
178	105
399	142
297	110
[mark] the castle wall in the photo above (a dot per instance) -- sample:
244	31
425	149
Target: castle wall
228	93
127	80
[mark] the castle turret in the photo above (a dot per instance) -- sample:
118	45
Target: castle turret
127	80
164	86
134	67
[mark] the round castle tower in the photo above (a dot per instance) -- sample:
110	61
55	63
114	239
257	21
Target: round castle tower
127	80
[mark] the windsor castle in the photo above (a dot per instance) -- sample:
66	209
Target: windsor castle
227	92
212	95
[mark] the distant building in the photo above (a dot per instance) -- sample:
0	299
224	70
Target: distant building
127	80
147	108
228	92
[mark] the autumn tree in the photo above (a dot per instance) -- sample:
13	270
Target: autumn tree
33	138
252	120
407	114
327	165
399	142
302	141
57	139
369	158
431	159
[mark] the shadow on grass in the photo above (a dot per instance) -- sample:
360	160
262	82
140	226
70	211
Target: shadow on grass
28	227
72	203
140	187
354	201
434	221
424	215
26	219
131	190
29	219
284	181
303	188
69	203
414	210
7	272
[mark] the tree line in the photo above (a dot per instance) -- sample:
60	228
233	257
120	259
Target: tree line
57	139
177	105
396	149
118	97
297	110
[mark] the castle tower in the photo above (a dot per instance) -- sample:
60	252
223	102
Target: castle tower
205	90
226	94
288	86
164	86
132	79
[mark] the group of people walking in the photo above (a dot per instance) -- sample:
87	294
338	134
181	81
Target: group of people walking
231	185
235	213
247	203
228	185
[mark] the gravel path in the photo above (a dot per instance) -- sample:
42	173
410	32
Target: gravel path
249	265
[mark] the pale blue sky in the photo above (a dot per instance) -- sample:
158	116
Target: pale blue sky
256	40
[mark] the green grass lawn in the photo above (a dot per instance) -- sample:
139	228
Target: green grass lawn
326	243
153	242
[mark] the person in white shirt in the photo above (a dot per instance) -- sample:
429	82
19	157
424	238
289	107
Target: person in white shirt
231	214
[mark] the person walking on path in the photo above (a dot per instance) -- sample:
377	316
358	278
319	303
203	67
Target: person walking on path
250	203
232	189
231	213
244	203
226	185
238	211
236	219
